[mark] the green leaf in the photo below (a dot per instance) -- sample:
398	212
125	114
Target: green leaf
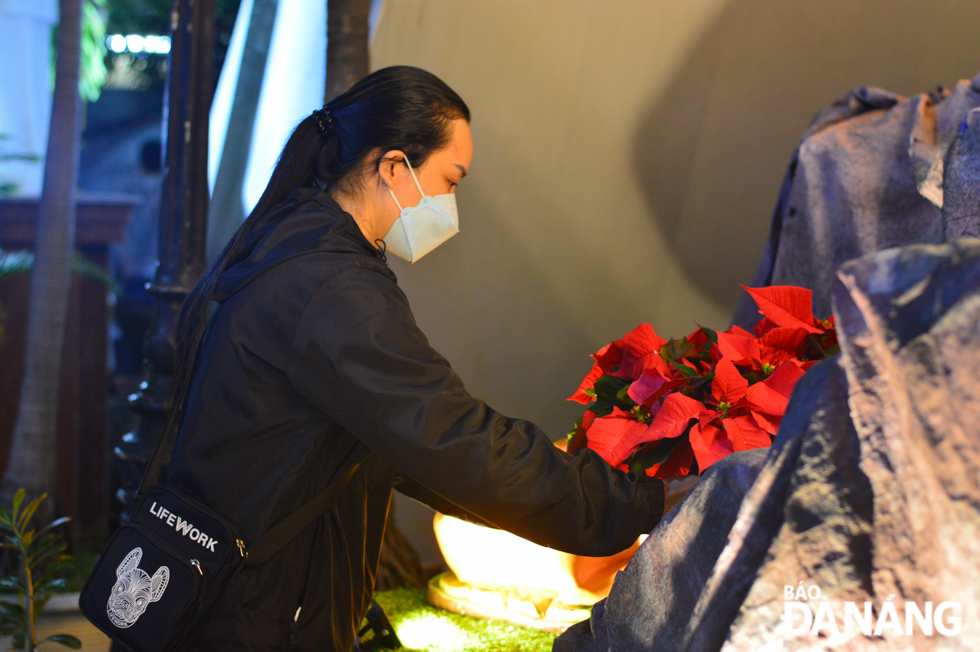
657	453
5	517
29	511
576	439
814	349
13	609
8	627
623	396
677	349
12	620
711	334
53	524
685	371
18	262
92	72
54	586
607	390
64	639
37	558
42	543
18	499
39	602
55	545
80	264
609	385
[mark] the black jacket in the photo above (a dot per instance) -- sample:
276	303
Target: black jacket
314	358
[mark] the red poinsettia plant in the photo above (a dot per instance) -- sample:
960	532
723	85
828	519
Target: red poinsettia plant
671	408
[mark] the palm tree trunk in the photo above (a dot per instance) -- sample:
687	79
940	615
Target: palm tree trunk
33	459
347	45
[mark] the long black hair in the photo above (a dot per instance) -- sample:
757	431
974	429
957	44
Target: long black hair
400	107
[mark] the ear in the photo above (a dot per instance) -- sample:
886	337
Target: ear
158	583
129	562
386	168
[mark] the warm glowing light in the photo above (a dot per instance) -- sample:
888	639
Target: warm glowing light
116	43
494	558
516	580
134	43
430	632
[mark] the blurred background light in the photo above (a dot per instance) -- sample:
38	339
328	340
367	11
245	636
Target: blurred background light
137	43
157	44
116	43
134	43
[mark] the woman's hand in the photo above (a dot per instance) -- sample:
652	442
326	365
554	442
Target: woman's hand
676	488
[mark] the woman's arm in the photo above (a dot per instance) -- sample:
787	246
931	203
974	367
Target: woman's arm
358	354
421	493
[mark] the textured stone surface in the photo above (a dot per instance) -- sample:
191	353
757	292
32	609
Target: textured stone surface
911	336
868	174
668	572
871	493
677	560
961	210
810	522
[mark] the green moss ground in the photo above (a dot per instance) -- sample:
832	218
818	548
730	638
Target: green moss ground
424	628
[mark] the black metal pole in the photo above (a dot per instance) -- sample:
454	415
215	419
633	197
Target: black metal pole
183	224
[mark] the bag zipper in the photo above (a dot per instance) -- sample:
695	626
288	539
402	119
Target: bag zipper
294	626
201	576
234	533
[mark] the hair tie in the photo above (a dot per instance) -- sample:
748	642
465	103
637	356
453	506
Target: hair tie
381	248
324	120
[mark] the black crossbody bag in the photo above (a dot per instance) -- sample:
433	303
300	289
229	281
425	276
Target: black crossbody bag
159	575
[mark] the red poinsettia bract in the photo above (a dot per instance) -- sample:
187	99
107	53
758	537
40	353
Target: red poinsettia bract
669	408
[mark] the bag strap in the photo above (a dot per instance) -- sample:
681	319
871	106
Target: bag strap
165	446
151	477
273	539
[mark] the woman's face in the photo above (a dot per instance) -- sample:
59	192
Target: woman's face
440	174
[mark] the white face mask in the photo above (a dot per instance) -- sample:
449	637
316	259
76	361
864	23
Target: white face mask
420	229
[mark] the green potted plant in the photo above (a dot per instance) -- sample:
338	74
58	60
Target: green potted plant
38	560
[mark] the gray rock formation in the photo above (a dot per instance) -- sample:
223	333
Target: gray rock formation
871	493
961	183
873	170
669	571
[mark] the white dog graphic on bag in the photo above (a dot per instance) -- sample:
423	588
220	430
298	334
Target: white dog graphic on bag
134	590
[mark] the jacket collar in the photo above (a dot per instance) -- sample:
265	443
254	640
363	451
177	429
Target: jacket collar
307	221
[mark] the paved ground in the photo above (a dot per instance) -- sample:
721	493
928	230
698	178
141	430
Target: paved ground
72	623
64	618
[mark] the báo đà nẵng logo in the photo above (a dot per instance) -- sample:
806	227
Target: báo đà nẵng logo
890	619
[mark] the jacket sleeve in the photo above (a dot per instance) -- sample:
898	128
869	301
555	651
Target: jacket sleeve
408	487
359	356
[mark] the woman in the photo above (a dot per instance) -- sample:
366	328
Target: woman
313	360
